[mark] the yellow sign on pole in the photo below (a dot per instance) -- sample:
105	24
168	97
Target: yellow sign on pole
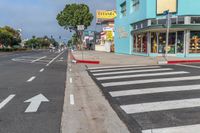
103	14
109	35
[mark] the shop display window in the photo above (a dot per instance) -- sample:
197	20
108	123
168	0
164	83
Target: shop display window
180	41
144	43
162	42
154	43
139	43
134	43
172	43
194	42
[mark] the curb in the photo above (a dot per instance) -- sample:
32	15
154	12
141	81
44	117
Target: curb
178	62
74	60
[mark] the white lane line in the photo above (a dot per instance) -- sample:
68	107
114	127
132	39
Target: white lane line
142	75
124	69
150	81
7	100
154	90
54	58
160	106
134	71
179	129
72	99
191	66
31	79
41	70
38	59
105	67
70	80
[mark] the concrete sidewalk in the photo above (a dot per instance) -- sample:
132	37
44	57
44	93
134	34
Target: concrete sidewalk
85	109
116	59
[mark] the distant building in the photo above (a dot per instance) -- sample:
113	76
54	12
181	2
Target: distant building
140	27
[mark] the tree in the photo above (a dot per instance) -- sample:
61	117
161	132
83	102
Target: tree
9	36
73	15
41	42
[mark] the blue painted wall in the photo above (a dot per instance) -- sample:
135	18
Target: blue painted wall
146	10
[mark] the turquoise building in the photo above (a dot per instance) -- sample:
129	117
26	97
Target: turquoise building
141	27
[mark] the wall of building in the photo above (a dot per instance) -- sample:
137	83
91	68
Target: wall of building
146	10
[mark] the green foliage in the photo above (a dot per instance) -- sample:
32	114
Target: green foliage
9	36
41	42
73	15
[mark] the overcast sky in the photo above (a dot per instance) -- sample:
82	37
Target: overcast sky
38	17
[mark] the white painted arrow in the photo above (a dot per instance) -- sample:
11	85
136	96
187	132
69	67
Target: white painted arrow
35	103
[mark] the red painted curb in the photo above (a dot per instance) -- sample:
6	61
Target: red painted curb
83	61
183	61
87	62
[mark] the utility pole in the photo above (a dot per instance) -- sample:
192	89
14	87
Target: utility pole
81	28
168	25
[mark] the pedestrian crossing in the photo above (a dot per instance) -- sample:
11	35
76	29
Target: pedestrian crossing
161	99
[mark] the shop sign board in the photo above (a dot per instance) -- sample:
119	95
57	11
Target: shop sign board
164	5
80	27
109	35
107	28
105	14
122	33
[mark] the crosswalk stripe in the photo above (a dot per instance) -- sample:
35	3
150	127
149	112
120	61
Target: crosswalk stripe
105	67
150	81
192	66
154	90
179	129
160	106
134	71
129	68
142	75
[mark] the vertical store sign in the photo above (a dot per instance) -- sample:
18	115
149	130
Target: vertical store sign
163	5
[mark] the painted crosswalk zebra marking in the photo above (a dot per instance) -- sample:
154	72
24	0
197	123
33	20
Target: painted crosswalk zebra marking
150	81
158	106
126	83
129	68
142	75
133	71
154	90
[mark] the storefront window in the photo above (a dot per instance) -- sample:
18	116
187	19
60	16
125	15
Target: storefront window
139	44
173	20
144	43
134	43
180	20
154	42
180	41
172	43
194	42
162	21
162	42
195	20
153	22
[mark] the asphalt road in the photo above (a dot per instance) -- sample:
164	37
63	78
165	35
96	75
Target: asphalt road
153	99
39	75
